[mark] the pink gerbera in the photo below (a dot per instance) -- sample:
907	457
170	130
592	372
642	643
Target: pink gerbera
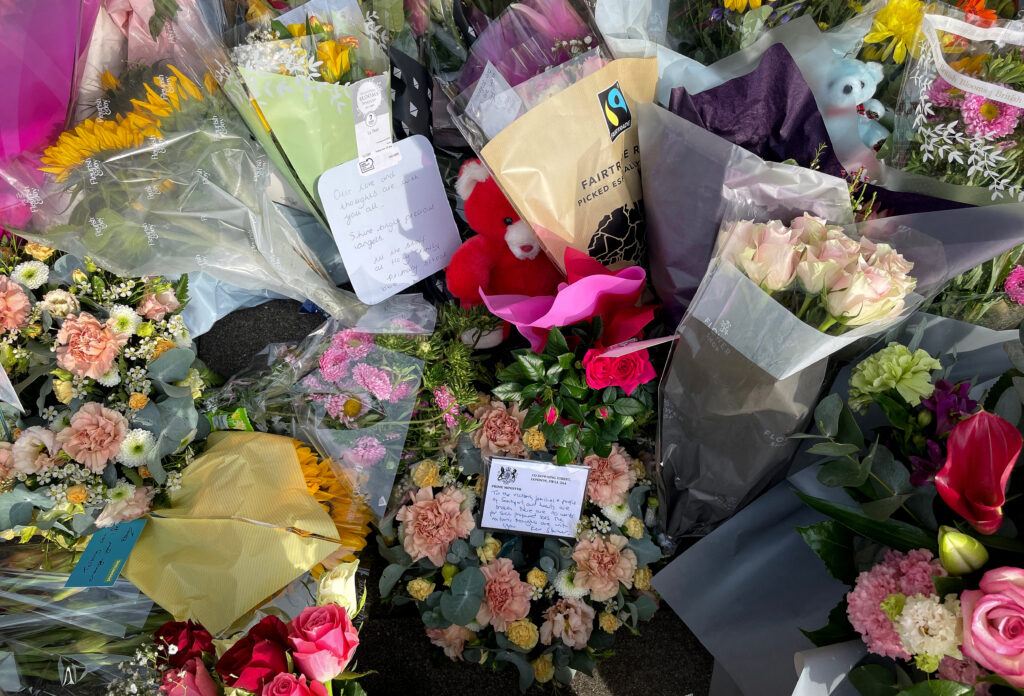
941	93
988	118
1014	285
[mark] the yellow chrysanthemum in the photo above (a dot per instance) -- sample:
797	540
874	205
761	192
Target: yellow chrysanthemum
895	27
741	5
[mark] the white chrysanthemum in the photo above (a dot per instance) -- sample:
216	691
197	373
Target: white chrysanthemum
929	626
567	588
111	378
122	491
124	319
31	274
618	514
136	447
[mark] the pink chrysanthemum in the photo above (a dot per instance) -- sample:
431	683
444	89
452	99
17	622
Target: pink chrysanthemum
347	407
941	93
354	345
910	574
373	380
988	118
446	403
366	452
1014	285
400	391
334	364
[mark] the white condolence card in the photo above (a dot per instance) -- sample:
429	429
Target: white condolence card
534	497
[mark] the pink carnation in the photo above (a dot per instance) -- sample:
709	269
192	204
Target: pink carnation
157	306
334	365
366	452
35	450
432	523
611	477
87	348
353	344
988	118
126	510
14	305
602	565
909	574
1014	285
94	436
373	380
965	671
453	639
506	596
6	461
571	620
501	429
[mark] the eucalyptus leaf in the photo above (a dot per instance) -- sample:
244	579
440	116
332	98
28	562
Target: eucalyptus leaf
1008	407
526	675
833	449
389	577
172	366
462	608
845	472
647	552
470	582
826	415
883	508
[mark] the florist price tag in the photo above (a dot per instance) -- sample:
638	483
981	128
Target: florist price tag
105	555
393	227
534	497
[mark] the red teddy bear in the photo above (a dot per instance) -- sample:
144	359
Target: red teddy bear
505	257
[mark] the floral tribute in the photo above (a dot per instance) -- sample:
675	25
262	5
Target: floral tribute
105	369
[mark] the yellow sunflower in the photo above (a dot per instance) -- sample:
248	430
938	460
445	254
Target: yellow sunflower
895	28
741	5
92	137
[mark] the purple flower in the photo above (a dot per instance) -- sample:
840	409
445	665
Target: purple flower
951	404
925	468
716	14
1014	285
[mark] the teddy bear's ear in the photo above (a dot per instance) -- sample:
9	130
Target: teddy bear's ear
472	173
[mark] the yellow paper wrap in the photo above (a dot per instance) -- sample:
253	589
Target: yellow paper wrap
212	570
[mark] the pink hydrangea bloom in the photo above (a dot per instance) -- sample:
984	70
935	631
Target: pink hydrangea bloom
432	523
988	118
909	574
965	671
353	344
6	461
1014	285
94	436
570	620
372	379
159	305
506	595
452	639
34	450
611	477
126	510
14	305
602	565
87	348
334	365
941	93
366	452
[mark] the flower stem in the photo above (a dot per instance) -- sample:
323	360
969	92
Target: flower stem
803	308
827	324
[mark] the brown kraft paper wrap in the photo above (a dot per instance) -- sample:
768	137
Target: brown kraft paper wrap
571	166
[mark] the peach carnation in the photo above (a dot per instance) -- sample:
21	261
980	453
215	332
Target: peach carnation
14	305
128	509
611	477
432	523
452	639
602	565
6	461
34	450
94	436
506	596
571	620
501	429
86	347
158	305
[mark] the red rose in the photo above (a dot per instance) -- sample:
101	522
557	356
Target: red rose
256	658
289	685
628	371
191	679
180	641
323	640
981	452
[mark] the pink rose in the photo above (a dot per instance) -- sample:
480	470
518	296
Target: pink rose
994	623
602	565
810	229
191	679
453	639
432	523
611	477
286	684
128	509
628	371
87	348
14	305
94	436
571	620
867	294
6	461
323	641
418	16
34	450
772	266
501	429
158	305
746	234
506	596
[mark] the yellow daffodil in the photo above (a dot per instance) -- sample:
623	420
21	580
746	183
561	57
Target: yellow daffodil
742	5
895	28
108	81
335	57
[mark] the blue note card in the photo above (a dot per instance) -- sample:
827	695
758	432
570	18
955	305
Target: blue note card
105	555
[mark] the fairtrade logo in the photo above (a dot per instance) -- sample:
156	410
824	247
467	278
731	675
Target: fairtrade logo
616	111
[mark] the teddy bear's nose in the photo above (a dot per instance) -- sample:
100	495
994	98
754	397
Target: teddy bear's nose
847	89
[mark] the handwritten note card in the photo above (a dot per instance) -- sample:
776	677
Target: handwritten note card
534	497
105	555
393	227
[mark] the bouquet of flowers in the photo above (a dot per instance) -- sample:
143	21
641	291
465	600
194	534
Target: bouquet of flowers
106	368
991	294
